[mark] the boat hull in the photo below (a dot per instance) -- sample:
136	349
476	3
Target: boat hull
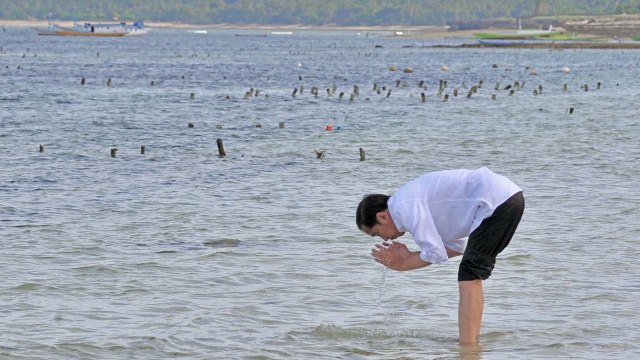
97	29
82	33
516	36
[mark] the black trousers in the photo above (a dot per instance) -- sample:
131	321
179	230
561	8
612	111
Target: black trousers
490	238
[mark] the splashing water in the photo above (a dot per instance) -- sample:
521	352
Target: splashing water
382	286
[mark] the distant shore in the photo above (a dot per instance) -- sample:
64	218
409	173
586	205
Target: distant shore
614	31
411	31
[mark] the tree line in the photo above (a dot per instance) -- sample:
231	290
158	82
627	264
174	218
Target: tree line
309	12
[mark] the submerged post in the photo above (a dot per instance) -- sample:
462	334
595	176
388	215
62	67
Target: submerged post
362	155
221	152
41	148
113	152
142	149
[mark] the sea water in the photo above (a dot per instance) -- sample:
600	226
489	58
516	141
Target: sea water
180	253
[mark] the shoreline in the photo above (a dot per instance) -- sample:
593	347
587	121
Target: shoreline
606	30
408	30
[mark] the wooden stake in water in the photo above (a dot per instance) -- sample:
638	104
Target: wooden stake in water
41	148
221	152
142	149
362	155
113	152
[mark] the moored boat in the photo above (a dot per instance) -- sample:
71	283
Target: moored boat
95	29
521	34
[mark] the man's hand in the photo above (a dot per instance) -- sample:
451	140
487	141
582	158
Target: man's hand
396	256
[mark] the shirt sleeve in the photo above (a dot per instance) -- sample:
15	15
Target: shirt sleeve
416	218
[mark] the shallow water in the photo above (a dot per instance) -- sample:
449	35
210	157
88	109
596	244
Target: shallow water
180	253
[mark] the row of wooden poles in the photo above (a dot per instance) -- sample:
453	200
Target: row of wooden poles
441	88
222	153
513	88
331	91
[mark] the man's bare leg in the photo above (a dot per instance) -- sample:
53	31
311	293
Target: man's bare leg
470	310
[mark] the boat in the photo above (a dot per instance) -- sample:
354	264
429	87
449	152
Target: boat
522	34
504	42
561	38
95	29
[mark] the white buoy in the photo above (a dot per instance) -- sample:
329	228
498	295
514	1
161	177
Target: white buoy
444	67
566	70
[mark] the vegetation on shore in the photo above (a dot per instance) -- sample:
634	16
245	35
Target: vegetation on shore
334	12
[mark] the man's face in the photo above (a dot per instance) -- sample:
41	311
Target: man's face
385	228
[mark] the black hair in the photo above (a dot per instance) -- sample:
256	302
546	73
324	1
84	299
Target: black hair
370	205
